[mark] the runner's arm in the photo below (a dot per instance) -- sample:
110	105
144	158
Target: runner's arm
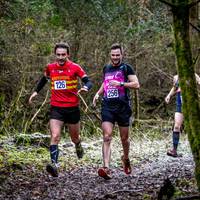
99	92
172	91
170	94
39	86
132	83
87	83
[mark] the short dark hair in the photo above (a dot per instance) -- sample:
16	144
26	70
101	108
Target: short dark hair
117	46
62	45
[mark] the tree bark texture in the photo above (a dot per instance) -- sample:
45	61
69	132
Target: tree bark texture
187	81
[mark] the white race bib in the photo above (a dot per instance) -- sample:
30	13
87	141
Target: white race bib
112	93
60	85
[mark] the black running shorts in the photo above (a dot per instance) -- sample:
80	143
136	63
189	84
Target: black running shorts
121	115
70	115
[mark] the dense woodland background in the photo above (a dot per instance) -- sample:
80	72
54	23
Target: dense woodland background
29	30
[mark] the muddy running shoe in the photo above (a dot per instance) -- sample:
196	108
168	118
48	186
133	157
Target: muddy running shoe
52	170
104	172
79	150
173	153
126	165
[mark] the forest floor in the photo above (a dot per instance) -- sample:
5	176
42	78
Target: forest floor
78	179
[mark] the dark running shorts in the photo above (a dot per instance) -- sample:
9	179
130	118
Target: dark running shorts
178	102
122	116
179	108
69	115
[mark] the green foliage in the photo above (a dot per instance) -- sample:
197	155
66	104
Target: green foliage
42	48
146	196
15	159
90	27
2	99
182	186
32	139
55	21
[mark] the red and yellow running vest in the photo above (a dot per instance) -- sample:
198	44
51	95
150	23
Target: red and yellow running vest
64	83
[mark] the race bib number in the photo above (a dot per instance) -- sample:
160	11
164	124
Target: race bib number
60	85
112	93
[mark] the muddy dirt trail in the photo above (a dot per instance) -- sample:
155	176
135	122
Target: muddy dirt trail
151	166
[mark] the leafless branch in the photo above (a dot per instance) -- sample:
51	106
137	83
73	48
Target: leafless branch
28	123
197	58
166	2
87	109
169	76
172	5
193	3
195	27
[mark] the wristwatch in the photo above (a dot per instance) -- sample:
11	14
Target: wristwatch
121	84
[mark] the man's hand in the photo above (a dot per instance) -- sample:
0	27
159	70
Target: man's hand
114	83
31	97
96	97
83	89
167	99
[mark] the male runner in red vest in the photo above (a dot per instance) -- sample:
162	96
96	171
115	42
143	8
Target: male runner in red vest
63	75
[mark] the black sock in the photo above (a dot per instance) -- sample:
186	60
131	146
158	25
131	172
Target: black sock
78	144
175	138
54	153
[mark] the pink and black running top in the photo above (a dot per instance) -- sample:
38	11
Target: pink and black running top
115	94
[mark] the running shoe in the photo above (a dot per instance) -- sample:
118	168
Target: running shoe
173	153
79	150
126	165
104	172
52	170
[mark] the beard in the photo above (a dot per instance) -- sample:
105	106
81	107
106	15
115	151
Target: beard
116	62
61	62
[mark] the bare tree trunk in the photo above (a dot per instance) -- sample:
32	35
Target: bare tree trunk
186	74
185	67
194	34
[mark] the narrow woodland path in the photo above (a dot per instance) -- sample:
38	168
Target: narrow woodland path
151	166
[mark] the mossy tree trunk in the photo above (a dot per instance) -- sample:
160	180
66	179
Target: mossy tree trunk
185	68
191	108
195	34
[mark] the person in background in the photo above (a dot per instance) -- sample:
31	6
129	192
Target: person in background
63	75
118	78
178	116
